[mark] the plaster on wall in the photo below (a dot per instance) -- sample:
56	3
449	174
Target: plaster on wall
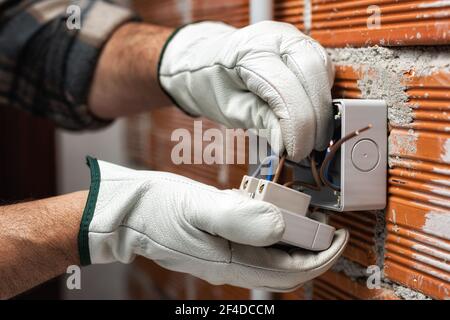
385	69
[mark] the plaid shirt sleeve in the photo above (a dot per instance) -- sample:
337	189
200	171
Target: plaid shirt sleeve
46	67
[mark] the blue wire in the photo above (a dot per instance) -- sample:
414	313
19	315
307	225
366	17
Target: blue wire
265	161
327	172
270	175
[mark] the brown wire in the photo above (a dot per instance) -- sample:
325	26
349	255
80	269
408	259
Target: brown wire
315	174
279	168
333	149
291	184
314	171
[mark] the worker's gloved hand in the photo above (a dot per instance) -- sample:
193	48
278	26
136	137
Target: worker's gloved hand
186	226
265	76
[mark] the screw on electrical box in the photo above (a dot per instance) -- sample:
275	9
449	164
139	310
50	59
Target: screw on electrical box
339	201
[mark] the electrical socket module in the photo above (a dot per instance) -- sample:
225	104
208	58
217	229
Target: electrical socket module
360	165
300	230
353	171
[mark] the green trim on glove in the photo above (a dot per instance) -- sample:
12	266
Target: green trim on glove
169	39
88	213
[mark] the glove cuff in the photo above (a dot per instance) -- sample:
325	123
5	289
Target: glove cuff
161	56
88	213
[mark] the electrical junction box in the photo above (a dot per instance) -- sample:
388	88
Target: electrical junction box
300	230
359	167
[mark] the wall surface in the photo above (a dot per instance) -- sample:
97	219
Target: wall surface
410	240
383	49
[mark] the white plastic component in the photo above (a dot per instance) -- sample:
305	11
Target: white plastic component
283	197
363	190
249	184
300	231
360	165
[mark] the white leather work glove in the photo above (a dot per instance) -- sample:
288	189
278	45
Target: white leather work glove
265	76
186	226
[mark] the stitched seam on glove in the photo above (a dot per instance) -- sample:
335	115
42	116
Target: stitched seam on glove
281	288
161	56
292	142
307	89
230	247
224	262
337	254
195	185
199	187
157	243
203	68
168	75
198	69
213	65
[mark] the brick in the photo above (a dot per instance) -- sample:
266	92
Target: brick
418	246
234	12
361	247
339	23
174	13
165	13
163	123
153	148
290	11
419	183
337	286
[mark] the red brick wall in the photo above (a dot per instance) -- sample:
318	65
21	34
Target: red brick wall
410	241
338	23
416	254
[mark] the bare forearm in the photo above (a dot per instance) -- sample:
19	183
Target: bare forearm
125	80
38	241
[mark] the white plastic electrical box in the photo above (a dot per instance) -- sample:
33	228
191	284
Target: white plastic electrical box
300	231
360	166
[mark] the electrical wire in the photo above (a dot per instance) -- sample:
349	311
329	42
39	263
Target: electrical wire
269	175
263	162
330	155
294	183
320	176
327	175
314	171
279	168
318	184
